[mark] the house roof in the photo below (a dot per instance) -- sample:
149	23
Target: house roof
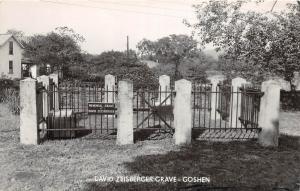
5	37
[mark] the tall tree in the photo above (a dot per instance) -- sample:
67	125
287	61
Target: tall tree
253	44
172	49
59	48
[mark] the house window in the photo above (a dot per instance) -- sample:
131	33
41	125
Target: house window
11	48
11	67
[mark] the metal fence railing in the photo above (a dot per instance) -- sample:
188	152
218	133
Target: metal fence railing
74	109
250	105
224	108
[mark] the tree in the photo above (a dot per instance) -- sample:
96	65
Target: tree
59	48
285	48
253	44
172	49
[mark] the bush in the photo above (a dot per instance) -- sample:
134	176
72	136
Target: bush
11	98
140	74
290	100
9	94
7	83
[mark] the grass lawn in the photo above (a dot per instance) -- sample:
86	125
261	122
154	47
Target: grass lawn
73	164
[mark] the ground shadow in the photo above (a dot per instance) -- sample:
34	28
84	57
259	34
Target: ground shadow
64	135
155	133
229	165
197	133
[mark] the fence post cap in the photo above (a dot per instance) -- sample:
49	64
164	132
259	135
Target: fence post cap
270	82
42	76
53	74
238	79
217	77
125	81
109	75
164	75
28	80
182	81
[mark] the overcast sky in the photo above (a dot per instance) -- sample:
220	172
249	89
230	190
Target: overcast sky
106	23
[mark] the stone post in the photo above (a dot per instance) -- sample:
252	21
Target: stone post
235	102
164	85
35	71
54	78
110	82
125	113
215	80
45	81
183	112
29	133
297	80
269	114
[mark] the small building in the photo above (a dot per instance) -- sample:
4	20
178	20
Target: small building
11	51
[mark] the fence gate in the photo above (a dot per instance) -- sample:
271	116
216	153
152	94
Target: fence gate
80	109
225	112
153	110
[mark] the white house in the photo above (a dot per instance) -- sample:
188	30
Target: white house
10	57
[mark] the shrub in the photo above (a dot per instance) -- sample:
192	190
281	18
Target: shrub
11	98
8	83
9	94
290	100
140	74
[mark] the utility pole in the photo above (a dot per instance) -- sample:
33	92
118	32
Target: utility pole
127	47
273	5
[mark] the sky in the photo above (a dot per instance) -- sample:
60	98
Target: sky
105	23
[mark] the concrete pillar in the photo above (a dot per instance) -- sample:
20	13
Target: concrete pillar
183	112
164	85
269	114
125	113
29	133
45	81
297	80
215	80
284	85
55	79
235	105
110	82
35	71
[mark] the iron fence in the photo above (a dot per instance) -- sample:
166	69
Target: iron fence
75	110
224	97
223	109
72	110
250	104
153	109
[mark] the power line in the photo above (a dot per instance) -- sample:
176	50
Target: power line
185	2
111	9
136	5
